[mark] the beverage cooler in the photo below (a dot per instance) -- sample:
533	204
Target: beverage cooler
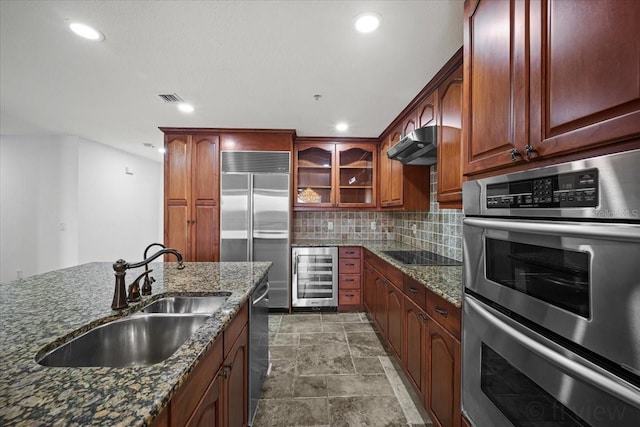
315	277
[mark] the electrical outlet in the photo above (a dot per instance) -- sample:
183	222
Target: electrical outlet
414	229
330	225
373	225
62	226
19	273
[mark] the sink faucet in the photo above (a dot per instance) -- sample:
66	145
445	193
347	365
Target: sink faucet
148	280
121	266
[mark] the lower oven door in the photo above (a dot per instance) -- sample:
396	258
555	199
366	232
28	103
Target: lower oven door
513	376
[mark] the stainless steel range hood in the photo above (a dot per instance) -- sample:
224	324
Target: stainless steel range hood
417	148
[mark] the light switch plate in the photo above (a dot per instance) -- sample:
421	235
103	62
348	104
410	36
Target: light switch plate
330	225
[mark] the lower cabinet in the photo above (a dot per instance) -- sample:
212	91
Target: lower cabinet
395	320
215	393
415	353
423	330
443	373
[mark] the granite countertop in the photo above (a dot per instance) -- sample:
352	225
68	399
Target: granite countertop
445	281
36	311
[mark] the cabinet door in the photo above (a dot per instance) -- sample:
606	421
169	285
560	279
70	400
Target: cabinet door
395	320
314	177
426	112
369	289
395	174
415	361
177	189
381	304
236	383
356	175
495	83
443	376
204	198
209	412
585	90
385	173
450	141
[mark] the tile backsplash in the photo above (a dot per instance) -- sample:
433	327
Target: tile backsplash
438	230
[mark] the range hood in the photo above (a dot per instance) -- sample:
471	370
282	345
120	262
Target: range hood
417	148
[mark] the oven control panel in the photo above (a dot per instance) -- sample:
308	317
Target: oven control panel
567	190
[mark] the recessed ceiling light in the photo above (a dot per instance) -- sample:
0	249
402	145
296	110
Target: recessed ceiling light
367	22
185	108
342	126
85	31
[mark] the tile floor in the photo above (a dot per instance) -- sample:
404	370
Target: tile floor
331	369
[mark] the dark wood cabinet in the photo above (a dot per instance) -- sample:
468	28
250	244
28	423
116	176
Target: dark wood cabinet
380	311
349	278
236	382
402	187
335	175
191	188
495	80
395	320
585	90
450	141
369	288
216	391
209	412
415	349
535	92
443	377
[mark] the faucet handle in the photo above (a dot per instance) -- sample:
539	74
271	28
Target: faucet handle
134	288
146	286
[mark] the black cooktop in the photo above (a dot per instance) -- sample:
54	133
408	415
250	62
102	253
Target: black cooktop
421	258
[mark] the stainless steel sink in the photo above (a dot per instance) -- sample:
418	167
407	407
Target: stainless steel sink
140	340
191	304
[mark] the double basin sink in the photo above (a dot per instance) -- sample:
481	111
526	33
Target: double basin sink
143	338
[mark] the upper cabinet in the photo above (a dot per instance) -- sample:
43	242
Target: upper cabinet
450	141
402	187
330	175
547	78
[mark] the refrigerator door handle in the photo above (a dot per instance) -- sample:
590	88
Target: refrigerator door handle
250	220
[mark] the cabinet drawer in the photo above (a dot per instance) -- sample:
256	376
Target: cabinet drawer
349	252
232	332
394	275
348	281
374	261
349	297
415	291
349	266
443	312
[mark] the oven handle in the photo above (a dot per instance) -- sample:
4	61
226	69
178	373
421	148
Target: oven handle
561	228
572	367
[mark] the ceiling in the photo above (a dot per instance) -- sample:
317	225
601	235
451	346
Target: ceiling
241	64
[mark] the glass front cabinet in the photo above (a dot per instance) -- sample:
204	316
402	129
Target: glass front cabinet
331	175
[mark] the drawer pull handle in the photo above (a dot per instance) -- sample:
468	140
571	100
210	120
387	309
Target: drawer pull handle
413	290
349	252
349	280
349	295
441	312
423	317
350	265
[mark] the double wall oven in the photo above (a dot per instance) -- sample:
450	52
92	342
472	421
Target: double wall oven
551	312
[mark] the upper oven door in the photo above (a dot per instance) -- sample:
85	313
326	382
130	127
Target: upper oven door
579	280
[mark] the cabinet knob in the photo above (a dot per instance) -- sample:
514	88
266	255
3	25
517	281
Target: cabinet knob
514	154
529	149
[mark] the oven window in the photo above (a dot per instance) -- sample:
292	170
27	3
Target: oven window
557	276
521	400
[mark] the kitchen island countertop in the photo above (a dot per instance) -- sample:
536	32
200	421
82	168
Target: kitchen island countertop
445	281
40	310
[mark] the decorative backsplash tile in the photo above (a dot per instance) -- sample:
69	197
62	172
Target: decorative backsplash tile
439	230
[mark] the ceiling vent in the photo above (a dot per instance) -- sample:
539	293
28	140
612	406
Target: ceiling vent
170	98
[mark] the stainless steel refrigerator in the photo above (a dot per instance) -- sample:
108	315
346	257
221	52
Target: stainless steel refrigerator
254	214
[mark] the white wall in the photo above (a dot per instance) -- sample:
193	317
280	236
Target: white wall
66	201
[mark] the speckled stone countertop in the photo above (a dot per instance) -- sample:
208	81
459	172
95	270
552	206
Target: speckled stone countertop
36	311
445	281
